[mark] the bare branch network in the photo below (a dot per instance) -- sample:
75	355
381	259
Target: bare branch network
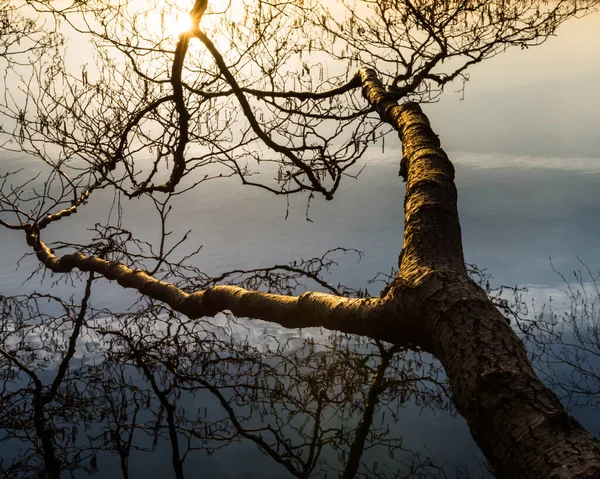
269	93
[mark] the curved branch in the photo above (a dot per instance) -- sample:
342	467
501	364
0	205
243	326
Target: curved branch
67	211
312	309
183	124
134	122
316	184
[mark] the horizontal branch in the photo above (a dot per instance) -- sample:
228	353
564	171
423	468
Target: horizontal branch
350	85
312	309
353	83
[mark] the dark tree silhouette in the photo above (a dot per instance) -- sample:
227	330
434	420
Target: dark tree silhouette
296	402
269	93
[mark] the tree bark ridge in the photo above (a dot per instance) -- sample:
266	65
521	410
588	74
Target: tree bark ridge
517	422
432	234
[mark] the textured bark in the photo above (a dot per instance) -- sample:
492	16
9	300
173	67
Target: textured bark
349	315
518	423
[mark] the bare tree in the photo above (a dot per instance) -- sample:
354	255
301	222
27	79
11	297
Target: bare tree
312	408
276	89
22	39
565	339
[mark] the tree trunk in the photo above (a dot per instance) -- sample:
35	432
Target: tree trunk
518	423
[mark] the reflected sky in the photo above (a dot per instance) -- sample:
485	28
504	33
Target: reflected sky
540	102
525	146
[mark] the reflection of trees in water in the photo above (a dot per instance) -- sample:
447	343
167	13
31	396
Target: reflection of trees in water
162	381
83	389
565	338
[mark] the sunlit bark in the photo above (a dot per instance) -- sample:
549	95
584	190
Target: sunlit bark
310	309
519	424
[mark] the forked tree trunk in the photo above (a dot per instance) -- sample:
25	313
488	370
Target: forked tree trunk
517	422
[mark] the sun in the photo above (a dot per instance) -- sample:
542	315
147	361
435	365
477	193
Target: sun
166	19
175	21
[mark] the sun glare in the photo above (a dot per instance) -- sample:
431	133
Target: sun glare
176	22
167	19
171	18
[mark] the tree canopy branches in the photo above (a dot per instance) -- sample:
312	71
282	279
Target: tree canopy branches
259	84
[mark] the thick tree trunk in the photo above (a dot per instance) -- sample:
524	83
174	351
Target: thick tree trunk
518	423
